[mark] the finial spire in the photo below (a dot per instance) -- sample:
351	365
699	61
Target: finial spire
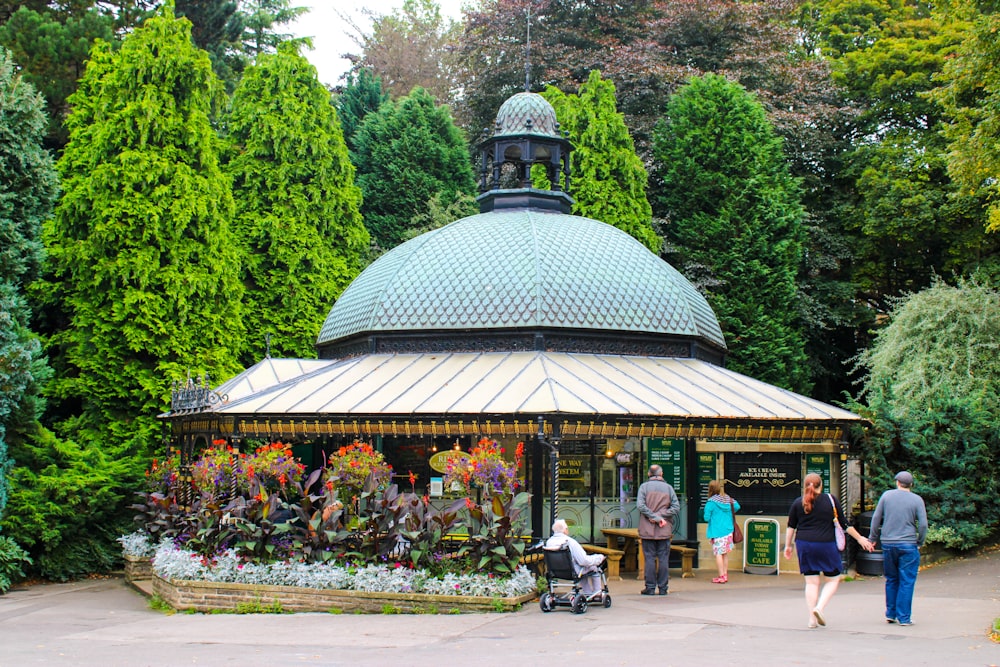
527	55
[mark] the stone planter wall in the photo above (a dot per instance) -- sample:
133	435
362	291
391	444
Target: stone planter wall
207	596
138	569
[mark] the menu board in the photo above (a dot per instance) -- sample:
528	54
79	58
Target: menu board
706	473
669	455
819	464
760	546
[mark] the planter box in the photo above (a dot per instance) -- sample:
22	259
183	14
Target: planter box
207	596
138	568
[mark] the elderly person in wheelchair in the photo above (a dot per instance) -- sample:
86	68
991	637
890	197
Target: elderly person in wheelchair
583	562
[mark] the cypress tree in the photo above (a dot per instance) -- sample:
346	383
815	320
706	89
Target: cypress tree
406	153
734	218
144	263
28	188
297	208
609	179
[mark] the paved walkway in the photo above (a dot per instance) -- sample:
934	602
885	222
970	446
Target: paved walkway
752	620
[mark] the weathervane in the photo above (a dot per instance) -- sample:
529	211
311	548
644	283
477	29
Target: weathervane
527	55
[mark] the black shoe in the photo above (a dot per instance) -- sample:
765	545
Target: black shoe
648	591
663	592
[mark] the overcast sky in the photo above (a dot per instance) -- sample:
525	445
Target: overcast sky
330	34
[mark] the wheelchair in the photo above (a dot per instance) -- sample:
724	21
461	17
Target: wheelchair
564	588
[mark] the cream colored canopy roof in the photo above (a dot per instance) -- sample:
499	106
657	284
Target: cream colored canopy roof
512	384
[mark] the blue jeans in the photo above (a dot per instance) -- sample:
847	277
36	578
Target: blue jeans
657	555
900	563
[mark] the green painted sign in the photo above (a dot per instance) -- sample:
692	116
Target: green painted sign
760	546
669	455
819	464
706	473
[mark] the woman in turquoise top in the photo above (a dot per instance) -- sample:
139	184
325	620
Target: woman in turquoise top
719	517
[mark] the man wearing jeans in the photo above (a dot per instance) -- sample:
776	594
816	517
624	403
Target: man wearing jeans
900	525
658	507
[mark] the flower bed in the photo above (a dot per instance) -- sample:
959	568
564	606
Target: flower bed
208	596
185	580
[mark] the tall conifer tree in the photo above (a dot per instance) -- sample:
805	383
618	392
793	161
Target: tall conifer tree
145	265
408	152
735	221
609	179
298	215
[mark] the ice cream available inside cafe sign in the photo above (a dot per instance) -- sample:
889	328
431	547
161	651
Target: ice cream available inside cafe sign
764	483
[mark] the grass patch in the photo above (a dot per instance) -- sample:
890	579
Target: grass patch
390	609
156	603
335	611
995	633
257	607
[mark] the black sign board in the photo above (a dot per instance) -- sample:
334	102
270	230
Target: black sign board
764	482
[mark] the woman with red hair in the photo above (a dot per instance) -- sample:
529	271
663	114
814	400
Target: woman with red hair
811	530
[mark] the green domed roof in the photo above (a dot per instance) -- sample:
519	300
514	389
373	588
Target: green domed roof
527	113
522	268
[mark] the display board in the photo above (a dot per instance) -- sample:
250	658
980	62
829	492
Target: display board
707	462
669	455
820	464
760	546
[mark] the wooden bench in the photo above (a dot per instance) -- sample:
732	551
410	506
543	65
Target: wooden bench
687	559
614	557
535	563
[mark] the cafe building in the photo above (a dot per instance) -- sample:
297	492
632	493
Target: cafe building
525	323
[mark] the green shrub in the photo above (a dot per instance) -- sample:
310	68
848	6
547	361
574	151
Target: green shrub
12	558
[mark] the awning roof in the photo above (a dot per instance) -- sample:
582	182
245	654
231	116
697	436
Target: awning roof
513	383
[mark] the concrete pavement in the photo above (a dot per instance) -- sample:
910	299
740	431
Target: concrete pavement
752	620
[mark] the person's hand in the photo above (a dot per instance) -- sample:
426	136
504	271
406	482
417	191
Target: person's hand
867	544
788	551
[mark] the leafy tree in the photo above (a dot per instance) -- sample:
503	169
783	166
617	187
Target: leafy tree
734	220
609	179
971	98
297	211
361	95
907	217
930	389
406	153
411	47
28	189
52	50
144	263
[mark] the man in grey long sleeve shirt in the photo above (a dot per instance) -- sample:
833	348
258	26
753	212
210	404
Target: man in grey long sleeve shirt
900	526
658	508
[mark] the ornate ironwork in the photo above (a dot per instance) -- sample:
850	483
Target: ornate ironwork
194	395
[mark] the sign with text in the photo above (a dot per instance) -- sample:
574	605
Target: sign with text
820	464
669	455
706	473
763	482
760	546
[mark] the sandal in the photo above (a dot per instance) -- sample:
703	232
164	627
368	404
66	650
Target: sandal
720	580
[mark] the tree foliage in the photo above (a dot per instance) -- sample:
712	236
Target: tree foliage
609	179
362	94
413	46
52	49
734	221
28	190
217	27
297	208
144	263
931	390
970	95
406	153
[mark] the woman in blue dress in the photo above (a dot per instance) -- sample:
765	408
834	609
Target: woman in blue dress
719	511
811	531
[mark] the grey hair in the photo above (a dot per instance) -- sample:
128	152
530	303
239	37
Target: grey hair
560	526
655	471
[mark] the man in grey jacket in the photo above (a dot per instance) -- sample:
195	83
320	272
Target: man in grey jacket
900	526
658	507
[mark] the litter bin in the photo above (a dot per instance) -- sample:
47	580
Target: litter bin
868	563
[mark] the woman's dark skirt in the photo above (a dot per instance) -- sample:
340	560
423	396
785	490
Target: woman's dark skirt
816	557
